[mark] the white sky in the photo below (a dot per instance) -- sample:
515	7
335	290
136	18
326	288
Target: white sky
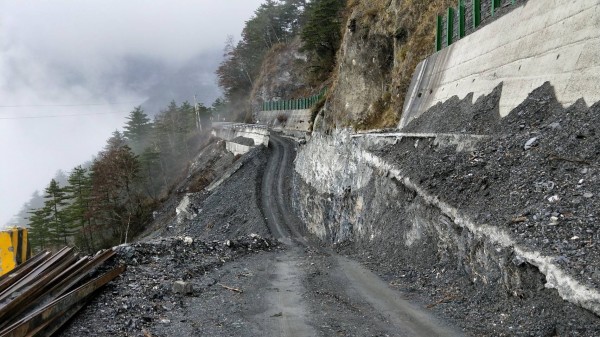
70	52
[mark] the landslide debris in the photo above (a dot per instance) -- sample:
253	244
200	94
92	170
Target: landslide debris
231	209
162	276
175	272
536	177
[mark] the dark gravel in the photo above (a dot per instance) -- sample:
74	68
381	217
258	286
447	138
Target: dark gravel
460	116
538	177
231	209
142	302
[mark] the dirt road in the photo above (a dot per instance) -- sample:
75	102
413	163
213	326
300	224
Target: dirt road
370	300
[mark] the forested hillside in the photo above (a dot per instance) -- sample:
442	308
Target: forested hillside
109	200
275	26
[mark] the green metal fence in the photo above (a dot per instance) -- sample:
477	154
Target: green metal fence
294	104
462	9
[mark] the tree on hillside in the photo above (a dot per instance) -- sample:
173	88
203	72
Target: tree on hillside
137	129
150	172
116	202
78	211
205	115
187	118
235	75
273	22
55	202
322	35
39	231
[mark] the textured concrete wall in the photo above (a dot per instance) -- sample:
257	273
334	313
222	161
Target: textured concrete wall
229	131
236	148
542	40
298	120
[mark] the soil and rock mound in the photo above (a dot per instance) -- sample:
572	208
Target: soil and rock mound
535	177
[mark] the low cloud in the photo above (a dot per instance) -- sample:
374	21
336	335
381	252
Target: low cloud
96	59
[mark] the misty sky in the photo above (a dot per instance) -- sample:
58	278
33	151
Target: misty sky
70	71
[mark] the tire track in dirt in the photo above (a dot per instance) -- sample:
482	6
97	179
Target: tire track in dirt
292	314
403	318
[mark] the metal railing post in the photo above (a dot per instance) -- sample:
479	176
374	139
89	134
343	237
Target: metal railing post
462	17
438	34
450	26
495	6
476	13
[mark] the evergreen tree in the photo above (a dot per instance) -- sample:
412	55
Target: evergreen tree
218	109
78	212
39	231
116	200
273	22
322	35
137	129
150	170
187	118
205	115
55	202
117	140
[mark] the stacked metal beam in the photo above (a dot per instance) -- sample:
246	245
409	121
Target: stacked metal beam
42	294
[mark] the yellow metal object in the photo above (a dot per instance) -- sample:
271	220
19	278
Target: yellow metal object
14	248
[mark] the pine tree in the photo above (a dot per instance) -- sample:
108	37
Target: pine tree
322	35
187	118
137	129
39	231
55	202
273	22
78	212
116	199
205	115
150	170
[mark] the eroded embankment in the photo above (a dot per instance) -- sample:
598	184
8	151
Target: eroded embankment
498	236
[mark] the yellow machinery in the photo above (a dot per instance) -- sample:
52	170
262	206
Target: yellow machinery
14	248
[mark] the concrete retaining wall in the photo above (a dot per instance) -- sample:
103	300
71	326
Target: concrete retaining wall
486	16
229	131
543	40
236	148
298	120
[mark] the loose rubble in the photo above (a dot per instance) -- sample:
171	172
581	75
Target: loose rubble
160	274
536	178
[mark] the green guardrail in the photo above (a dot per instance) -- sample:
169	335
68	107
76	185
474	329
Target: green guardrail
450	17
294	104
